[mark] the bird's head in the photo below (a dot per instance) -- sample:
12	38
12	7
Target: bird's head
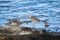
29	15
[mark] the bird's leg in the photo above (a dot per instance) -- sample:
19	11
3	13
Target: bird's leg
34	25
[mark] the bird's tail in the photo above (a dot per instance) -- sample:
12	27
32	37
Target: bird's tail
45	20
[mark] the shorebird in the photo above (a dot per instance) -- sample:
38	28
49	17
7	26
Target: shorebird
13	22
16	22
33	19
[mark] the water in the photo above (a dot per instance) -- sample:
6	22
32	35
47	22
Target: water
49	9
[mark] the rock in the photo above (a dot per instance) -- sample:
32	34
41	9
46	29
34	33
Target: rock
33	36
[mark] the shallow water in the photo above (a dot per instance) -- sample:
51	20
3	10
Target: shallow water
49	9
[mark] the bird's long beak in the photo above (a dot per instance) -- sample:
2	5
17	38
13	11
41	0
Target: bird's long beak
29	15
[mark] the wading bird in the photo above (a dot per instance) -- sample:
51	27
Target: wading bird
33	19
13	22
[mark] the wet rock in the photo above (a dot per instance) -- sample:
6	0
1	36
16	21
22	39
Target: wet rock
34	36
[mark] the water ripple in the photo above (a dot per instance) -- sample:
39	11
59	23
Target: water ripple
49	9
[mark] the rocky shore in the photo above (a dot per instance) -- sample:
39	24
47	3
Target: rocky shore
13	31
36	35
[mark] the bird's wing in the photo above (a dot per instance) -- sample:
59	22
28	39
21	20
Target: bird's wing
33	18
